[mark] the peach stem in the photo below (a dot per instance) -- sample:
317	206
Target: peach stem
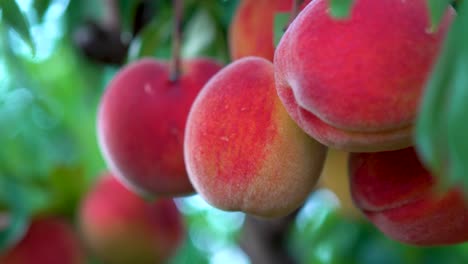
295	10
176	39
112	15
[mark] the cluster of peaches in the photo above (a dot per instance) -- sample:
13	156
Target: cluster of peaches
116	227
253	136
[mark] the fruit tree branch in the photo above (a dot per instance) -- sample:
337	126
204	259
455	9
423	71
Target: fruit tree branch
176	39
264	241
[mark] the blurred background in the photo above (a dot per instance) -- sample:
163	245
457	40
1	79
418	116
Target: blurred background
49	156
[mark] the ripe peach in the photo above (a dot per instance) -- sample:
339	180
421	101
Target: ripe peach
141	123
47	241
395	192
355	84
242	150
251	30
120	227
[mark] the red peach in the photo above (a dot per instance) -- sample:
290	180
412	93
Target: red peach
47	241
120	227
395	192
141	123
355	84
242	150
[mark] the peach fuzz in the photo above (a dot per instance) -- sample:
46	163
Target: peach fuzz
141	122
48	240
355	84
242	150
396	193
120	227
251	30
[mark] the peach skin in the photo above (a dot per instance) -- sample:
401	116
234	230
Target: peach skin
396	193
242	150
119	227
48	240
355	84
141	123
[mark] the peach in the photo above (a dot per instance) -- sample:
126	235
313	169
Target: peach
396	193
242	150
355	84
141	124
48	240
251	30
120	227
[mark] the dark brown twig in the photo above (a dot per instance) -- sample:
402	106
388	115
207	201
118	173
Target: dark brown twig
296	8
265	240
112	19
176	40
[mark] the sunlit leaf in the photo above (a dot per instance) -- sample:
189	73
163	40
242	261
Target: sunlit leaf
13	17
340	8
279	25
152	37
41	6
199	34
14	223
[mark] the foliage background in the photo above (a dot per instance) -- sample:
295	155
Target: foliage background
49	156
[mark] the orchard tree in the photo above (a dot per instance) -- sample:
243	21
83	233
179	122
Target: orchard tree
233	131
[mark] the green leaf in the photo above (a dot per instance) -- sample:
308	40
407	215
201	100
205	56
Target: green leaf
17	226
15	223
279	25
442	126
152	37
13	17
127	10
66	185
340	8
41	7
199	34
221	11
437	9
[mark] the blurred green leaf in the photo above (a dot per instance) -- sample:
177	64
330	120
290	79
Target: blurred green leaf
66	185
188	253
127	9
222	11
437	10
442	126
18	224
280	24
41	6
75	97
199	35
28	126
202	33
340	8
79	11
16	218
152	37
13	17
